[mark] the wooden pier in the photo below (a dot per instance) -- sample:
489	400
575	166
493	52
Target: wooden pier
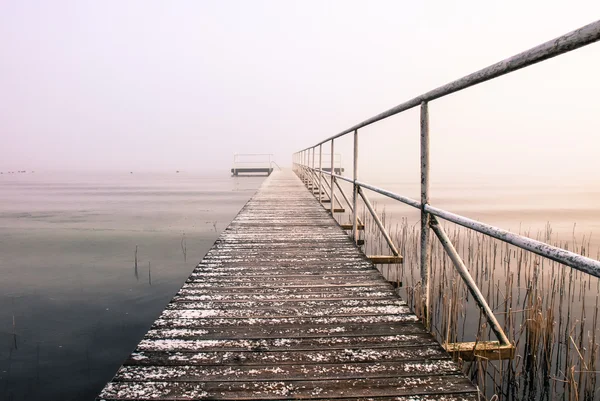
284	306
251	171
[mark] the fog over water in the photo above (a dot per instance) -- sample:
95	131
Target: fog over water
148	85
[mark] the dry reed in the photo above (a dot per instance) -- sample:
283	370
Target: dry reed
549	311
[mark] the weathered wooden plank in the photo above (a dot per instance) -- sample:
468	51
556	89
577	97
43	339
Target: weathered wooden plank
185	303
278	358
296	283
281	389
290	344
286	331
284	312
270	266
349	226
290	289
280	269
192	322
384	259
321	371
277	259
491	350
373	275
254	299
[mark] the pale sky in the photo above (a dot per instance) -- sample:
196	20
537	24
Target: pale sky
165	85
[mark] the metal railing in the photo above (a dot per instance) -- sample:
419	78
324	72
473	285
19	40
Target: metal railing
252	162
313	176
252	159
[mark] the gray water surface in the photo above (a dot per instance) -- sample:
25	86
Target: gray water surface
72	303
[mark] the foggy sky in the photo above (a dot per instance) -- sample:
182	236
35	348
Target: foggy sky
157	85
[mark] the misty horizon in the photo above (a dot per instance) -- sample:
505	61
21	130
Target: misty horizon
93	87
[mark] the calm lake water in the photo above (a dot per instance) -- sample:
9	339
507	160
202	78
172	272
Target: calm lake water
72	304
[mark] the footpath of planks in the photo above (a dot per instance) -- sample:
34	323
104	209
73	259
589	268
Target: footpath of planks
285	306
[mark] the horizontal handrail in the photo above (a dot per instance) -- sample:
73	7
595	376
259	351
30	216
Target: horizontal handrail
573	40
576	261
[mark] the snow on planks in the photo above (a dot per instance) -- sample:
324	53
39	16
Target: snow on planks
284	306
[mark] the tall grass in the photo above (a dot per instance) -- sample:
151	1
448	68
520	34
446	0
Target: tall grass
548	311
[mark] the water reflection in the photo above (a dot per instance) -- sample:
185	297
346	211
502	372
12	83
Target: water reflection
71	309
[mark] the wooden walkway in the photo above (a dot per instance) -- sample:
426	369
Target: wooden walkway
284	306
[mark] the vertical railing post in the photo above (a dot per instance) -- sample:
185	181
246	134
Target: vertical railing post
305	167
355	191
312	175
331	205
424	215
307	164
320	170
